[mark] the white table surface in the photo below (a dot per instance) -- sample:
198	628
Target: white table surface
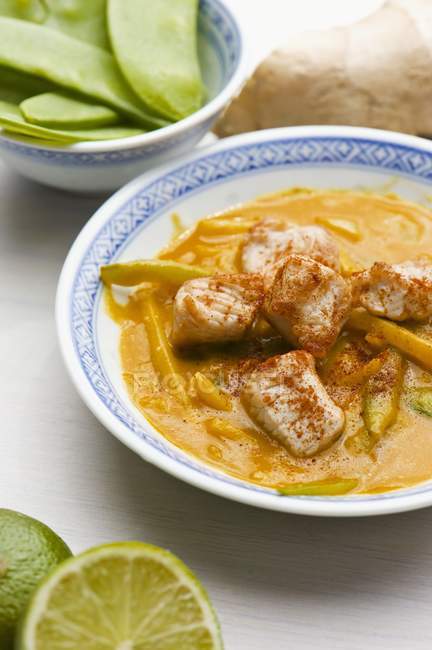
277	581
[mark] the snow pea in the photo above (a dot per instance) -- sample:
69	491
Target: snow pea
82	19
12	120
33	10
155	44
73	64
15	86
58	111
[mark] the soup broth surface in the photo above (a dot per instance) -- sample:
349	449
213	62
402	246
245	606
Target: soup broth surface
389	230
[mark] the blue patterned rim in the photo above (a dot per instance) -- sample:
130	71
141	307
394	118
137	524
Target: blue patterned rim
150	199
221	31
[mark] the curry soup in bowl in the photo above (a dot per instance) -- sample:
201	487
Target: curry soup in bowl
254	319
255	342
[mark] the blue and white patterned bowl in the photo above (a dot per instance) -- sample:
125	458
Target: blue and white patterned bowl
135	222
95	167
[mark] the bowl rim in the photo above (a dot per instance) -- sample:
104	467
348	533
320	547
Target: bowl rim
317	506
157	136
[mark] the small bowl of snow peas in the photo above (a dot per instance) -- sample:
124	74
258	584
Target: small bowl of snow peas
94	93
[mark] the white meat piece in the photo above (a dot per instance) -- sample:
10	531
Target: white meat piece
216	309
271	239
285	397
308	304
395	291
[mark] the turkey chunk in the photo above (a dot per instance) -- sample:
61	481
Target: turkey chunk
270	239
285	397
308	304
216	309
396	291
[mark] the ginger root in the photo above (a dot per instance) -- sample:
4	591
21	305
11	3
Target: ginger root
376	73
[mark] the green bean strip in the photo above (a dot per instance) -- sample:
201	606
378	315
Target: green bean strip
407	342
420	399
382	394
162	356
131	274
319	488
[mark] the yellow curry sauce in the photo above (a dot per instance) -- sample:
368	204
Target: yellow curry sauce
381	228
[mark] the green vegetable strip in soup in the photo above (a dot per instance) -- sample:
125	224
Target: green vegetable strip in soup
245	399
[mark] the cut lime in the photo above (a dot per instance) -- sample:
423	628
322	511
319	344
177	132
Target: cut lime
125	596
28	552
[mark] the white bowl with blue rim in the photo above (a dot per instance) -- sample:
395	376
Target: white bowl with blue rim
136	222
96	167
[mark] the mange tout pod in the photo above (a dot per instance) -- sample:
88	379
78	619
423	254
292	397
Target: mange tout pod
72	64
12	120
82	19
58	111
155	44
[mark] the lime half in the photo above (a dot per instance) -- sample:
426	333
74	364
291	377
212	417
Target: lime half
125	596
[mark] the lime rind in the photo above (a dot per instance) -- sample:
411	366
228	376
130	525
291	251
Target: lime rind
28	551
